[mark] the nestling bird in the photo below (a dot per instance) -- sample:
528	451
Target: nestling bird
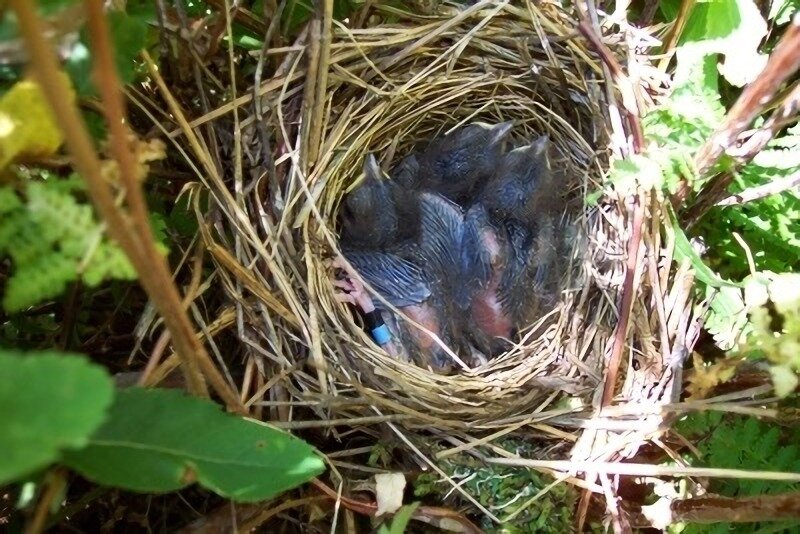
471	279
485	257
378	214
516	249
457	165
406	288
512	192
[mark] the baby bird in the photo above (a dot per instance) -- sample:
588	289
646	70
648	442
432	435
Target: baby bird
512	192
457	165
534	233
484	260
515	249
378	214
405	287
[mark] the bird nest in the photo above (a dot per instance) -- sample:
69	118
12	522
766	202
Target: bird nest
299	143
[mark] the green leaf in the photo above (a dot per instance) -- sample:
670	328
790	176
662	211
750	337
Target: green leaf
162	440
52	6
400	520
48	401
734	28
53	240
781	11
685	251
129	34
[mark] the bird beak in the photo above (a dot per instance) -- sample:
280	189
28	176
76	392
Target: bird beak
372	170
500	131
540	145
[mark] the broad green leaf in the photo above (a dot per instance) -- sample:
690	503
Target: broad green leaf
27	126
734	28
129	34
48	401
162	440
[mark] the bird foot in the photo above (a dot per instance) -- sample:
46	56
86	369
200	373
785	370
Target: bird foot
347	280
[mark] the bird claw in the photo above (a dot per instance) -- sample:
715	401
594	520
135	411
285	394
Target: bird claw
352	290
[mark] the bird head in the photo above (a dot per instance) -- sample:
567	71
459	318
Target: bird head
369	194
512	191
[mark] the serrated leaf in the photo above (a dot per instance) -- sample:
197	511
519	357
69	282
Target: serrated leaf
27	126
48	401
637	169
163	440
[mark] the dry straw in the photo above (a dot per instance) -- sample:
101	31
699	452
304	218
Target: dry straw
624	311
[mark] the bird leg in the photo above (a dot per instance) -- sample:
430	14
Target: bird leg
355	294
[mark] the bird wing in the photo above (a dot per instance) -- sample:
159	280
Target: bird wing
397	280
475	260
442	228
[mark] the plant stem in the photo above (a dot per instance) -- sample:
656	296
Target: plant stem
151	267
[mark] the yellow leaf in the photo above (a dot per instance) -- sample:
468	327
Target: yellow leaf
706	377
27	125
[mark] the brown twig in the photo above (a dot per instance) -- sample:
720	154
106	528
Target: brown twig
429	514
622	83
717	509
56	481
717	187
149	264
158	282
310	87
325	13
785	114
762	191
626	306
675	31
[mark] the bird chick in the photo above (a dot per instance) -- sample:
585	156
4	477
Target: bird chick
525	200
403	285
484	259
513	251
457	165
528	287
440	253
378	214
512	191
406	173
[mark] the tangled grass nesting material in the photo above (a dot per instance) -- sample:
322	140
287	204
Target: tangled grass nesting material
273	219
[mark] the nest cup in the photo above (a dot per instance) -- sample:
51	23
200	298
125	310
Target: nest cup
389	88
